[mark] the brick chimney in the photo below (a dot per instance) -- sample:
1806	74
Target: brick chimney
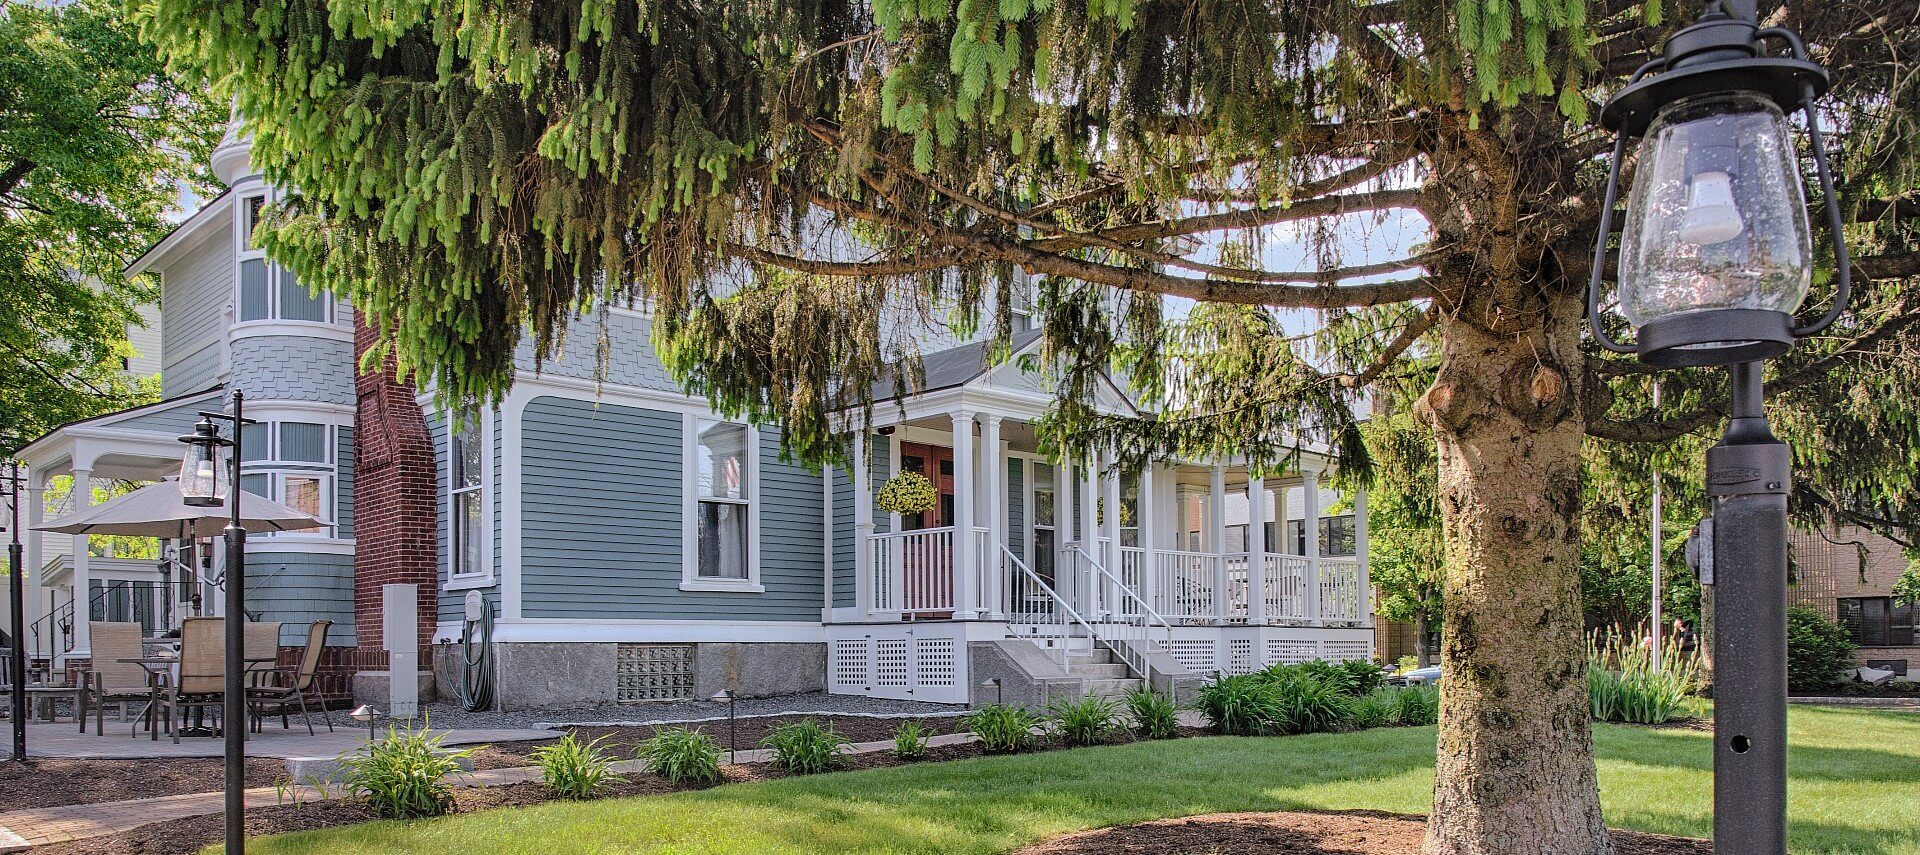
394	496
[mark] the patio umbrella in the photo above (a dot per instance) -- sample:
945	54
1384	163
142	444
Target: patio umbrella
157	510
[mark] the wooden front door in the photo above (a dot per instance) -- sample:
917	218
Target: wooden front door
928	567
936	463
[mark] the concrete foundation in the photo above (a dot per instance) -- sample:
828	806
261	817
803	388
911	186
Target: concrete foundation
370	687
572	675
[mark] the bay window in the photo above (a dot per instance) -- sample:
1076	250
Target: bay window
268	291
292	463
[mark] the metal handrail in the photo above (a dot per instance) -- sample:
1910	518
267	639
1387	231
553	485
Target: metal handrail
1063	609
1126	592
1133	642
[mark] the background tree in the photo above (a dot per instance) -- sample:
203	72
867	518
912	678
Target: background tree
1405	553
96	141
771	176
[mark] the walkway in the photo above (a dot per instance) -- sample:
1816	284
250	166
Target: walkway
21	829
63	741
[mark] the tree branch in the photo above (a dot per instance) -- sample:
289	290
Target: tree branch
1249	218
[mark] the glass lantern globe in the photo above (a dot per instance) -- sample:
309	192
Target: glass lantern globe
1717	252
203	475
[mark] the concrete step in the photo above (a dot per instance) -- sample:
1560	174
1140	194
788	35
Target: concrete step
1116	689
1092	656
1100	671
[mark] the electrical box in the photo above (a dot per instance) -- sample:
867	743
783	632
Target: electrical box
400	630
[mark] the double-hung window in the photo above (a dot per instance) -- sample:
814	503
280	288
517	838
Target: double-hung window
469	553
267	291
723	472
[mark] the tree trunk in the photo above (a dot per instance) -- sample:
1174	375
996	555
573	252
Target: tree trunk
1420	629
1515	762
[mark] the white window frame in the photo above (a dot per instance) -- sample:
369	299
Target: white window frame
690	578
276	471
484	576
244	251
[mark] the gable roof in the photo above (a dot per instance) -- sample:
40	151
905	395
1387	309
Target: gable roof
950	368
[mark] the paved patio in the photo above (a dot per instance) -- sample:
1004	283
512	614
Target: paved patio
61	740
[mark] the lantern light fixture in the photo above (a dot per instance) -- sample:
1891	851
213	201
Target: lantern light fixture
203	475
1716	254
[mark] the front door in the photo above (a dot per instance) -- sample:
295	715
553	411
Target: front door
928	566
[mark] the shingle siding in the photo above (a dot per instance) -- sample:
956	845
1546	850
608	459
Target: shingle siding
294	368
630	360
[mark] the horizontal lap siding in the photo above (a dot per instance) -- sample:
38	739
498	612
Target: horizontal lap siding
195	290
1017	506
178	419
601	509
298	589
843	539
790	540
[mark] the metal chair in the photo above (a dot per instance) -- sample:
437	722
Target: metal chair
203	660
299	688
110	679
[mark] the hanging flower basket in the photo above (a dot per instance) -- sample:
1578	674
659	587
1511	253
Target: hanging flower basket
907	493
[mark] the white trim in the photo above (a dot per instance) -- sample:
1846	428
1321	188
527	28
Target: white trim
483	421
512	431
309	545
690	578
526	630
313	412
183	235
276	327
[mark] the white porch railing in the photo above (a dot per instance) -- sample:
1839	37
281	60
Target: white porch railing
913	571
1185	583
1341	599
1302	589
1037	612
1121	620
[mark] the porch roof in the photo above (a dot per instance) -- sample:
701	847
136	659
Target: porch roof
138	443
951	368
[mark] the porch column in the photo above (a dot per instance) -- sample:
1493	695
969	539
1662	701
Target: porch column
1110	557
82	496
1310	529
1089	533
31	589
1217	532
1149	561
1360	555
1256	550
862	526
966	593
995	491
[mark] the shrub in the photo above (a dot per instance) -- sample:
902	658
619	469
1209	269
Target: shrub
1242	705
1626	684
573	769
1417	706
1374	709
404	775
1087	721
1154	714
1324	672
1363	676
910	741
682	756
1003	729
1306	704
1819	652
806	747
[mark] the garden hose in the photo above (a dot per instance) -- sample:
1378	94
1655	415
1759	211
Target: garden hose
476	662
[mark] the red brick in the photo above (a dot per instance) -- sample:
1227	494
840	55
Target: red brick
395	497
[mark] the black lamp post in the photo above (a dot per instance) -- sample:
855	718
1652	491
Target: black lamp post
1715	258
205	482
725	696
16	586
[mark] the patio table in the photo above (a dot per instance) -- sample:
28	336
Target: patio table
160	668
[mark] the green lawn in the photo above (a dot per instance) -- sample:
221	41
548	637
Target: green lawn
1855	788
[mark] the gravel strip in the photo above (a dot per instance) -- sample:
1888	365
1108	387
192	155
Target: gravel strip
447	715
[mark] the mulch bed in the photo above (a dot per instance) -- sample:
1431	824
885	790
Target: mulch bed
54	782
1299	833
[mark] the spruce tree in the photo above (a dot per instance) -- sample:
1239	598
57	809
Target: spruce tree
769	177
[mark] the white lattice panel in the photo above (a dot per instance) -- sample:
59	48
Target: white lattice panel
937	662
1240	656
1195	654
1341	651
852	665
1283	652
892	662
915	663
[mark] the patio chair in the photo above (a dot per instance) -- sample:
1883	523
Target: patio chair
299	688
261	650
109	679
202	681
